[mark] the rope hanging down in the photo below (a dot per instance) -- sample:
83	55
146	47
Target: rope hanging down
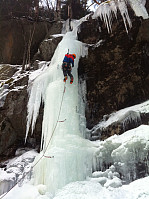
45	148
57	119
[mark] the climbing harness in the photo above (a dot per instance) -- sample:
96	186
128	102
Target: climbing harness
45	148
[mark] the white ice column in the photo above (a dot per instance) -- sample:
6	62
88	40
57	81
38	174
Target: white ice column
61	136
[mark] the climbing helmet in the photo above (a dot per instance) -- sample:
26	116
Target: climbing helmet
74	55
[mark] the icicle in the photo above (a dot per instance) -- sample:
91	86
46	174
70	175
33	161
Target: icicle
36	96
104	11
139	8
107	8
113	7
130	117
124	12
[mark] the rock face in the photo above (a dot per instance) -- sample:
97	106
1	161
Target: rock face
116	69
48	47
13	116
15	37
14	112
13	83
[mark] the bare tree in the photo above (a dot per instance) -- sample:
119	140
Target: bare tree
55	7
36	4
58	9
98	2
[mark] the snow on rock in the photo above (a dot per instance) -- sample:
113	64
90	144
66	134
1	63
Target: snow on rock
123	116
42	66
9	84
7	181
16	170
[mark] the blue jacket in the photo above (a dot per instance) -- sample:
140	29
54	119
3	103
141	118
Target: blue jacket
69	59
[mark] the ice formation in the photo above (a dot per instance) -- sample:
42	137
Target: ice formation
139	8
63	121
128	152
108	9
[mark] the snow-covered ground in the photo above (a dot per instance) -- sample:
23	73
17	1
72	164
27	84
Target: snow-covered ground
92	188
121	150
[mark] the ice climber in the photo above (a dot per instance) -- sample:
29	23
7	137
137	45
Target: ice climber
66	66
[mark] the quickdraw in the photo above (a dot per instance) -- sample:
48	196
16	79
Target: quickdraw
48	156
62	120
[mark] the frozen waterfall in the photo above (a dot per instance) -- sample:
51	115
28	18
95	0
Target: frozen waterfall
65	155
62	132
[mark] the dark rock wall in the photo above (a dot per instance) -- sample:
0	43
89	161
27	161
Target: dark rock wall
13	116
15	35
13	113
116	71
48	47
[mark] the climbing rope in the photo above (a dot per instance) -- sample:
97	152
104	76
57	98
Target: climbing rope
57	118
43	155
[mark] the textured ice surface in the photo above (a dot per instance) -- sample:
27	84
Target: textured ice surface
126	152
